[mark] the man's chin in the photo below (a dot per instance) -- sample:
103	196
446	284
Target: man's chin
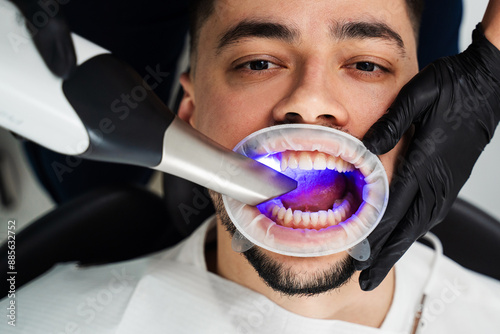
293	276
301	276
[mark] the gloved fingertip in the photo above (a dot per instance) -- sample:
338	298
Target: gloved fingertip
361	265
376	149
376	142
369	280
370	144
365	285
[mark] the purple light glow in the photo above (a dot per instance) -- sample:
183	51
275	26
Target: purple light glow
317	189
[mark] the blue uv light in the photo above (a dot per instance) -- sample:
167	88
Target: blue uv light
270	161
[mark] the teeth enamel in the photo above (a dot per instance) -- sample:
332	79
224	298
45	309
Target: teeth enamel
320	161
275	211
338	213
306	218
284	164
293	162
297	218
331	162
349	167
323	216
331	217
340	166
281	213
287	221
313	220
305	161
313	160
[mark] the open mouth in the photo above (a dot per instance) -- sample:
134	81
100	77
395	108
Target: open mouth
341	195
329	190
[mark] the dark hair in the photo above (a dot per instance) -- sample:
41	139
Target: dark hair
200	11
415	9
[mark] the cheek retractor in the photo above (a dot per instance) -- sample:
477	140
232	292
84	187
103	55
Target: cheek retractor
341	196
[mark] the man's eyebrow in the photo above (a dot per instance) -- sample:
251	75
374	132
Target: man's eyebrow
365	30
252	28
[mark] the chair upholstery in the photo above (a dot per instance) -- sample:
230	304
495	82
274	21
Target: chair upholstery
471	237
110	224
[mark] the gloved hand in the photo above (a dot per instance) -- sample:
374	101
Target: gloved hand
454	105
46	23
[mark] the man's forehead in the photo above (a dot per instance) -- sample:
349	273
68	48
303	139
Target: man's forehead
381	10
381	17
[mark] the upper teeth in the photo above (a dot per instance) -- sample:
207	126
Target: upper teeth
313	160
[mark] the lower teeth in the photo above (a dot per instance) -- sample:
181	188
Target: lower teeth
311	220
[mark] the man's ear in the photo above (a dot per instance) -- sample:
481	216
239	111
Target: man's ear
187	107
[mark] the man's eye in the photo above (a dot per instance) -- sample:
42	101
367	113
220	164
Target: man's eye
259	65
367	66
367	69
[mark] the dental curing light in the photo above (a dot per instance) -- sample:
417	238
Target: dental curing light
105	111
341	196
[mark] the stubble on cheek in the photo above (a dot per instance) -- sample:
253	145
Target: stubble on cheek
221	212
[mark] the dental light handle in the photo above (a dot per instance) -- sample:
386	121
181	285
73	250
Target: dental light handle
150	135
105	111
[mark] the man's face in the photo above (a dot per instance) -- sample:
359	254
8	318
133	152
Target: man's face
334	63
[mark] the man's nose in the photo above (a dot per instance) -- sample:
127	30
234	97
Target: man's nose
313	98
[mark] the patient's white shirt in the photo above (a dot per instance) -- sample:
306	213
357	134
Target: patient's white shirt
172	292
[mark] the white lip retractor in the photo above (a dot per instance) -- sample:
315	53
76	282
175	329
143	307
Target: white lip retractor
312	231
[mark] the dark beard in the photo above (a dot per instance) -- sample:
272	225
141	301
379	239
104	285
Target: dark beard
282	279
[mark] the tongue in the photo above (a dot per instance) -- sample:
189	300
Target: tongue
316	189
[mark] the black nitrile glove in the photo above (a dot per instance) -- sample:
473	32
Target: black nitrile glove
47	25
454	104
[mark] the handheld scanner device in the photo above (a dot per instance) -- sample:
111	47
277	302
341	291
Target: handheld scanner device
105	111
